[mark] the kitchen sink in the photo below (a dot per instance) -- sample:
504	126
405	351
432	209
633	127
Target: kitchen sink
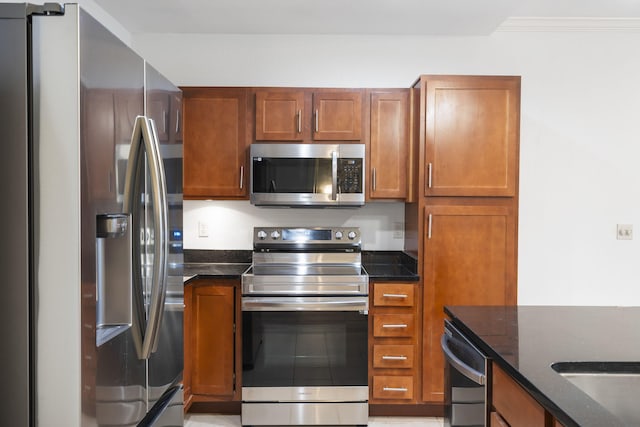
614	385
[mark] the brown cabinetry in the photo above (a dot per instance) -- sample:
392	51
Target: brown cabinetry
215	143
393	343
469	260
461	223
307	115
388	143
471	135
512	406
211	352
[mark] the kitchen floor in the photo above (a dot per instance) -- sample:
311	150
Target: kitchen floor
208	420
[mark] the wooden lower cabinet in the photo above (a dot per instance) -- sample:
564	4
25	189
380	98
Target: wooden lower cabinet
393	343
469	259
211	350
512	406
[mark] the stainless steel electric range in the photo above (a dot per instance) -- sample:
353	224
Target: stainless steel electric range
304	328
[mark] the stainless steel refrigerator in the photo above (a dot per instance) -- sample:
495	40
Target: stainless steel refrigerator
91	172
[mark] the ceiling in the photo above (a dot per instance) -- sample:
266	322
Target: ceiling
399	17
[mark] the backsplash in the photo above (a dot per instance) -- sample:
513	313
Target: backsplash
229	224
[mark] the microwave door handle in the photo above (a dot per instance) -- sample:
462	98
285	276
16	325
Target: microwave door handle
334	175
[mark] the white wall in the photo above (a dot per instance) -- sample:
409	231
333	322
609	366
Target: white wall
579	138
230	223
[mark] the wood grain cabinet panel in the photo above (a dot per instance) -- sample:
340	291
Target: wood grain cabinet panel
215	143
515	406
393	387
388	144
393	343
308	115
391	356
469	260
472	134
211	350
337	115
281	116
393	295
394	325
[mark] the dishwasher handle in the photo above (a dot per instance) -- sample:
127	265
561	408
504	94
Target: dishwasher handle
466	370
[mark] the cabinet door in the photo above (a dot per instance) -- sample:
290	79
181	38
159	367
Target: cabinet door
215	143
469	259
389	143
337	115
472	133
212	339
280	116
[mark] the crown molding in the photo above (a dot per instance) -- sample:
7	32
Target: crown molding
570	25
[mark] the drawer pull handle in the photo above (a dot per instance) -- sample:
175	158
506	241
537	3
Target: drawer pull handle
399	325
401	389
394	357
395	295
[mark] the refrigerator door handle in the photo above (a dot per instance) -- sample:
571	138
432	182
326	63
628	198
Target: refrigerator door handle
145	140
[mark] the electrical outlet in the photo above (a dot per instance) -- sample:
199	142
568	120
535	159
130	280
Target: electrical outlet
624	232
203	229
398	230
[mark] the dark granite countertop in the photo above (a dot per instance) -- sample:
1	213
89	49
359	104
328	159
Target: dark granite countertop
390	266
526	340
230	264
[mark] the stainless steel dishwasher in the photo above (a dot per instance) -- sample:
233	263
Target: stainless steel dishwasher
465	380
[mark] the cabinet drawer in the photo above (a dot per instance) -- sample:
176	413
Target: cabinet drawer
393	356
388	387
513	403
393	325
392	295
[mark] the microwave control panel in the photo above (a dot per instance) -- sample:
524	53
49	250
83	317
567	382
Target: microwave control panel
350	175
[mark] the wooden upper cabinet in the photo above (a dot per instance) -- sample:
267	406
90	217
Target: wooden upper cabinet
469	259
472	132
215	143
308	115
280	116
337	115
389	143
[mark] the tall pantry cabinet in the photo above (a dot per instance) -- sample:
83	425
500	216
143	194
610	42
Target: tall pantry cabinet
461	221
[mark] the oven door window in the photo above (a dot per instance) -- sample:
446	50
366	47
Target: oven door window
291	175
282	349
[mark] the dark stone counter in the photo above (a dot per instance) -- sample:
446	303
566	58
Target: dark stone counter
230	264
390	266
526	340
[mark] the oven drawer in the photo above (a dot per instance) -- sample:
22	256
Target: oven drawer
392	387
393	356
393	295
393	325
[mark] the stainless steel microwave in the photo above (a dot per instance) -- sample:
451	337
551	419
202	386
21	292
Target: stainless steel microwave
307	175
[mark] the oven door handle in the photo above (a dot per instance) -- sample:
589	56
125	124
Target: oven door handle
466	370
305	304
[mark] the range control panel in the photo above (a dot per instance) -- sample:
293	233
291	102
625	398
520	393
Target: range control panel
303	236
